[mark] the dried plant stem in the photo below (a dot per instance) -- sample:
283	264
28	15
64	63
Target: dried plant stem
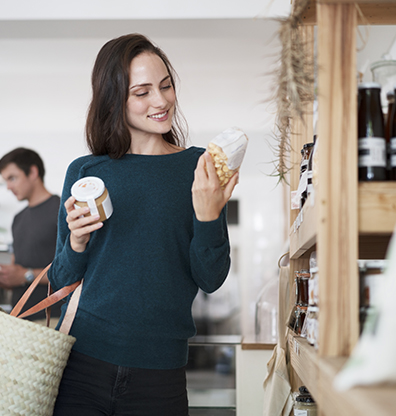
295	83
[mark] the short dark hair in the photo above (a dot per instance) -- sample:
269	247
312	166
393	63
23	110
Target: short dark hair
24	159
106	127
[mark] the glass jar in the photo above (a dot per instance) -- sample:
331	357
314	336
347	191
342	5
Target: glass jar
304	404
310	325
313	282
302	285
371	278
266	313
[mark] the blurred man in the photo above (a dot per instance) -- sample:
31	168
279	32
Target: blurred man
34	229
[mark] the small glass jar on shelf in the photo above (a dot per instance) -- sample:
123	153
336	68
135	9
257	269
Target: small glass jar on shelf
304	404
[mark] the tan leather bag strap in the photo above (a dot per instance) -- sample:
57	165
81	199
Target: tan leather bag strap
50	300
71	310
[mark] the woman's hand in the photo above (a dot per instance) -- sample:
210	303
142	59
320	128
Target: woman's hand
208	197
80	227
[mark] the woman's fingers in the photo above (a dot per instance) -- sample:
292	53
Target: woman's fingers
80	226
200	173
229	188
212	175
205	172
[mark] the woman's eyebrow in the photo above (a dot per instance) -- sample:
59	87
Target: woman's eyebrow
148	83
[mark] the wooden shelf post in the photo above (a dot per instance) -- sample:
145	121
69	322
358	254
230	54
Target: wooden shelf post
337	223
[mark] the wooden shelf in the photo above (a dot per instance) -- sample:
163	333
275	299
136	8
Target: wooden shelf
377	207
304	360
374	12
303	232
250	343
376	216
317	374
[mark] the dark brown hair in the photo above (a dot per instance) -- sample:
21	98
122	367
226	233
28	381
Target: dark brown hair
24	159
106	127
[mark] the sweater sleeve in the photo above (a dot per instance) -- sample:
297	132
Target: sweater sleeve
210	253
68	266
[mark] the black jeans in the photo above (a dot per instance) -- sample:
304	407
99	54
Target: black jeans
91	387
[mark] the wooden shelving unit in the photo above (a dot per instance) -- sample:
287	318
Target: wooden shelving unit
376	219
318	373
345	220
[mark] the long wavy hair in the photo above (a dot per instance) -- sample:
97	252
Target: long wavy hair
106	127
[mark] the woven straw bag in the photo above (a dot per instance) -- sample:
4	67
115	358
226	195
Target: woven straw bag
32	356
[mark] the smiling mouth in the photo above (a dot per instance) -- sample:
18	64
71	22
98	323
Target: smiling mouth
158	116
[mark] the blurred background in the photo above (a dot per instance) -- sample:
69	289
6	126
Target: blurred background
226	54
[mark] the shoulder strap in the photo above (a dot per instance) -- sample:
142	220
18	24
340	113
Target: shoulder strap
71	310
45	303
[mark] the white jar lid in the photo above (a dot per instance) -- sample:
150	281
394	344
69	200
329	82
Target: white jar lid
87	188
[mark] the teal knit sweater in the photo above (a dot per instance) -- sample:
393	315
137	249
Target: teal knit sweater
143	268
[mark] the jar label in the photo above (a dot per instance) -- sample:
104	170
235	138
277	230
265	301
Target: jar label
298	412
372	152
107	206
392	152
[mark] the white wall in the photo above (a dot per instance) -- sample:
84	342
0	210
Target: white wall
137	9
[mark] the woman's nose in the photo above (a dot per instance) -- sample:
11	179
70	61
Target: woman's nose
158	99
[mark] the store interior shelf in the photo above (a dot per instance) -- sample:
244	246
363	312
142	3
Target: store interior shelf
318	373
371	12
302	231
377	207
376	216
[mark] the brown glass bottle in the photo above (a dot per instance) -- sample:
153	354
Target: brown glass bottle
388	123
371	134
392	143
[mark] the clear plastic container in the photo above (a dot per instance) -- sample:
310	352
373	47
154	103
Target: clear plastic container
266	314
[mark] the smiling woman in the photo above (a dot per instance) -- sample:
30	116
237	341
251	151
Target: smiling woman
151	102
166	238
130	72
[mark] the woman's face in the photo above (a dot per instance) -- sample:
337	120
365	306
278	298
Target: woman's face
151	101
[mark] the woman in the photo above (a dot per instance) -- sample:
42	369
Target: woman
142	268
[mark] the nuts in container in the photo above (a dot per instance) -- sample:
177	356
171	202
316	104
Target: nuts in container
227	150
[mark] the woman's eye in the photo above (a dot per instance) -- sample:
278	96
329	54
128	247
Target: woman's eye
166	87
141	94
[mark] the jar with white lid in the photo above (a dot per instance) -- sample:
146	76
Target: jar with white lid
91	192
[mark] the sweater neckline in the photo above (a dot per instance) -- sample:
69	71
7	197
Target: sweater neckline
176	154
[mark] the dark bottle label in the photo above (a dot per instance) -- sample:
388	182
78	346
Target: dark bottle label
372	152
392	152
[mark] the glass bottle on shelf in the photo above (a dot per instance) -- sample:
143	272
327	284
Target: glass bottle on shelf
392	142
388	131
293	312
306	153
302	278
371	134
310	168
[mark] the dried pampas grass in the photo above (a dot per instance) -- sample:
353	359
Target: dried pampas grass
295	81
